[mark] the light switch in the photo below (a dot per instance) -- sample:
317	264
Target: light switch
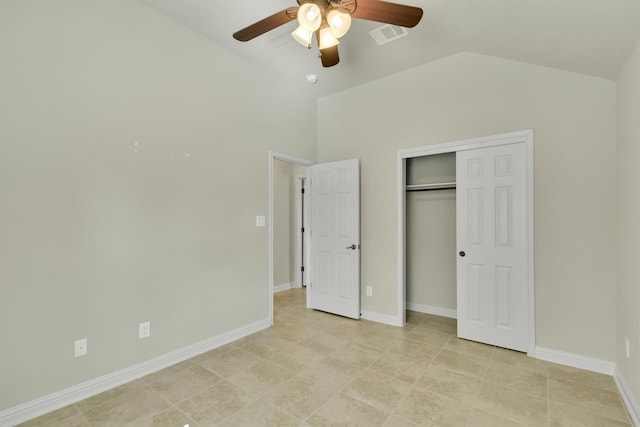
260	221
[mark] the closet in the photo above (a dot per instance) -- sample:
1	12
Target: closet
466	224
431	234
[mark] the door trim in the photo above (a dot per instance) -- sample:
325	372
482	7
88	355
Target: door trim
523	136
274	155
301	205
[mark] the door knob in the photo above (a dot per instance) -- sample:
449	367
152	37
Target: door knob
462	253
353	247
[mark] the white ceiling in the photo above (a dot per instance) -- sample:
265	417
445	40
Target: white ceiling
592	37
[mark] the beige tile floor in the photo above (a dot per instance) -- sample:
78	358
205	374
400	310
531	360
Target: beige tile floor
316	369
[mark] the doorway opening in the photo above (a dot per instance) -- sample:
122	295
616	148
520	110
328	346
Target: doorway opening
287	222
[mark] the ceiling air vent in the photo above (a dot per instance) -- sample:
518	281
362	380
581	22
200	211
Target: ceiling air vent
388	33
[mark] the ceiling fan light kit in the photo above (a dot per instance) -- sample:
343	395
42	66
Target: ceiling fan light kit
330	20
302	36
339	22
310	16
327	39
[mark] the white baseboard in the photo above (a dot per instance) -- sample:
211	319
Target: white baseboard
630	401
429	309
283	287
76	393
575	360
595	365
380	318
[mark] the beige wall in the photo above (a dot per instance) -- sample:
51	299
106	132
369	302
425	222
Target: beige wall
629	221
470	95
98	234
284	220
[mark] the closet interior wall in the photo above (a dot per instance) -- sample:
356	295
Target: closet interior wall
431	235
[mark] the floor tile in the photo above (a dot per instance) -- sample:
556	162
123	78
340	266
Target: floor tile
295	357
170	417
357	354
300	396
461	362
457	386
122	405
513	405
519	360
429	336
260	414
594	379
68	416
425	408
524	380
478	418
178	385
230	362
562	415
333	373
213	353
212	405
469	347
416	350
380	340
378	390
342	410
261	378
324	343
395	421
262	344
599	401
399	367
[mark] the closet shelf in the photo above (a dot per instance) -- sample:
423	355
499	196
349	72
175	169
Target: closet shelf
429	187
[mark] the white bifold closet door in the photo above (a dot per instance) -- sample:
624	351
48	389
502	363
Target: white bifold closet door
492	276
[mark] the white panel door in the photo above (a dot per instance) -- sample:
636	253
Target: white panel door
491	202
335	238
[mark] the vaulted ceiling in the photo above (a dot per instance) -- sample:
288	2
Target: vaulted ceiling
592	37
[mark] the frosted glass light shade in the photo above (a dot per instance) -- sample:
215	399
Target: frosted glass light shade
327	39
302	36
339	22
309	17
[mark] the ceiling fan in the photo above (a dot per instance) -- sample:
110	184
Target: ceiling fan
329	20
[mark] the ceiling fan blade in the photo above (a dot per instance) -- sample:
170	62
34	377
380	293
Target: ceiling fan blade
389	13
266	24
329	56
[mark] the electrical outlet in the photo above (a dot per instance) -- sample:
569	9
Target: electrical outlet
627	349
80	347
144	330
369	291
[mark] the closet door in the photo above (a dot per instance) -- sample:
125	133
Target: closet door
491	206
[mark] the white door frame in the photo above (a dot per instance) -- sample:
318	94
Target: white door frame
273	156
301	207
524	136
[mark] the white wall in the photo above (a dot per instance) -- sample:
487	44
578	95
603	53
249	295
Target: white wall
468	95
628	163
98	234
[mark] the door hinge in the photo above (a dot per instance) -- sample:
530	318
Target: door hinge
302	191
302	230
302	268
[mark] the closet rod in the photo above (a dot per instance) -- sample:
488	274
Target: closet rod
431	187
